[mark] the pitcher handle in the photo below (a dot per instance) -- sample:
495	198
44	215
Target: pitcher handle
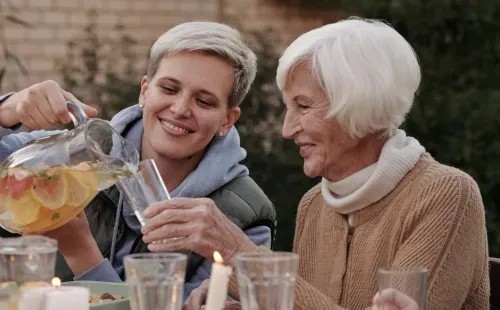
76	113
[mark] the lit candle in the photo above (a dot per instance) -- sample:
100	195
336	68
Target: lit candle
66	297
31	295
55	298
217	288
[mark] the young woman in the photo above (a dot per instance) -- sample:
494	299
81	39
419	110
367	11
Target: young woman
198	74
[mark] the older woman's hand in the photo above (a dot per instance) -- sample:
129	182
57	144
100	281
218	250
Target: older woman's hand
392	299
198	298
194	224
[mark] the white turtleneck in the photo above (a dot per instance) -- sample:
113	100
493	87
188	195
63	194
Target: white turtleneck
399	155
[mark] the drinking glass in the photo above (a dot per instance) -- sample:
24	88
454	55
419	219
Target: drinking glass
144	188
403	286
266	280
26	261
155	280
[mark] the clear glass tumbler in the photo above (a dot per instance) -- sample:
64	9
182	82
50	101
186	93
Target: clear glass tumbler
27	259
267	280
402	287
25	262
144	188
156	280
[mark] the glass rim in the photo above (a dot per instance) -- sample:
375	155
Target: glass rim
402	270
46	245
172	256
274	256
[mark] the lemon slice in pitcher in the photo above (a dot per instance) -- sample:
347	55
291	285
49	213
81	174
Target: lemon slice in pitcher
50	188
78	192
24	210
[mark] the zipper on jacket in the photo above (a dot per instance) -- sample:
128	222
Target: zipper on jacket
349	238
345	280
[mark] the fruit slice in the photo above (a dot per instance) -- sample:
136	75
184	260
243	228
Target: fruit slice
24	210
50	188
78	192
19	181
4	189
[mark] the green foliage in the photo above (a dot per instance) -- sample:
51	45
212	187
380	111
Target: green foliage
10	14
456	115
101	71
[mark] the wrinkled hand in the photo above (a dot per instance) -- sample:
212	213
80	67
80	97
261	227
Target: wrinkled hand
198	225
76	244
198	298
392	299
40	106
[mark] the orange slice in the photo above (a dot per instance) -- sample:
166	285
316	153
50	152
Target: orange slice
24	210
78	191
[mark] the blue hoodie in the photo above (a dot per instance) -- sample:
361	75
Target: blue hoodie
219	165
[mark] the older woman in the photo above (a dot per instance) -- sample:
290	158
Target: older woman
382	201
198	75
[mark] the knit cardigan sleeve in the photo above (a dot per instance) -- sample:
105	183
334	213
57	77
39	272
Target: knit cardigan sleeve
446	233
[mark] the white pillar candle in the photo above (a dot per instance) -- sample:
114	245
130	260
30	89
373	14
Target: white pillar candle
55	298
31	299
66	297
217	288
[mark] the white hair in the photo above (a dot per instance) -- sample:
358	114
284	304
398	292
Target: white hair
214	39
368	71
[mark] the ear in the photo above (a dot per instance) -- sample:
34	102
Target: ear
231	117
144	88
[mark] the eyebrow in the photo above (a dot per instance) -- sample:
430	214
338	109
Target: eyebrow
171	79
176	81
302	98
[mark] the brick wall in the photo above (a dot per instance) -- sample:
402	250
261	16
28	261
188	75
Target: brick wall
58	22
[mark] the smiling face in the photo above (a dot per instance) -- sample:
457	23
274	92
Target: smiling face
186	105
326	147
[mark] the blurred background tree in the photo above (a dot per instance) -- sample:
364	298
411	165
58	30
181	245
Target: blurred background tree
274	163
101	71
455	116
9	13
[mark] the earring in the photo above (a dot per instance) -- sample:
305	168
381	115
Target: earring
221	134
141	105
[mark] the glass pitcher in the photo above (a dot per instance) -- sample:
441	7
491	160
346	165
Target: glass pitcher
50	180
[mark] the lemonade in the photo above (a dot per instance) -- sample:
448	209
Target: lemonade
37	201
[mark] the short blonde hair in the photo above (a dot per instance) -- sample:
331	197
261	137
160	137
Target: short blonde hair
368	71
213	39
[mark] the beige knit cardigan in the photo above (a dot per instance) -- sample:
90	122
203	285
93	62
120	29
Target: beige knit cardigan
433	218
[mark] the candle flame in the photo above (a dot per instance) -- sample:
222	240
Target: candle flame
218	257
56	282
